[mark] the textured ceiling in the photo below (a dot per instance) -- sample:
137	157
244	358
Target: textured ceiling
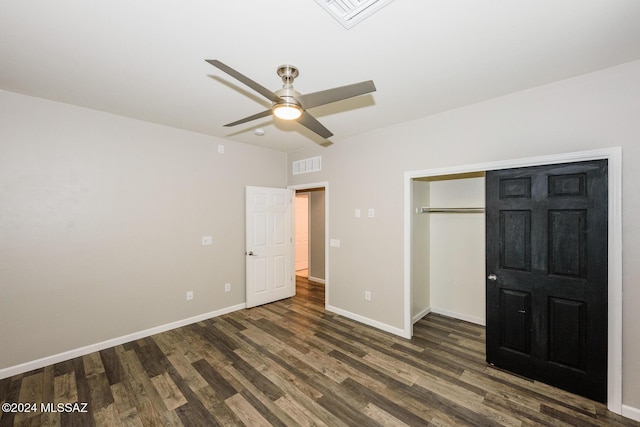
145	59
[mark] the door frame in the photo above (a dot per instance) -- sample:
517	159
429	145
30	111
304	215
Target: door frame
614	157
325	185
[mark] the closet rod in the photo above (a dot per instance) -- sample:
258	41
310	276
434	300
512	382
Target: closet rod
451	210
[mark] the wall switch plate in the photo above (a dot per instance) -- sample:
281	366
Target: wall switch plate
367	295
357	213
227	287
334	243
189	295
371	213
220	149
207	240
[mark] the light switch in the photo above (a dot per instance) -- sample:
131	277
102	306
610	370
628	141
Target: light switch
207	240
371	213
357	213
334	243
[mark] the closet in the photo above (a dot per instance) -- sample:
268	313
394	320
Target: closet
448	247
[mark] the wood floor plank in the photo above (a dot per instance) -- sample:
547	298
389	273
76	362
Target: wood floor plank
216	406
99	391
107	416
247	413
31	393
168	391
392	387
333	400
382	417
292	363
65	390
392	408
111	365
217	382
300	415
150	404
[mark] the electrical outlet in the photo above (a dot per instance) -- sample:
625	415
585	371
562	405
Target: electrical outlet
367	295
227	287
189	295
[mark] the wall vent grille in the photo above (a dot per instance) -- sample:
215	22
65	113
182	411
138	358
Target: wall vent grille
312	164
352	12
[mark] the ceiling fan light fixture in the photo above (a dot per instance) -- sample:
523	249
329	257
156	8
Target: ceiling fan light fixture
287	111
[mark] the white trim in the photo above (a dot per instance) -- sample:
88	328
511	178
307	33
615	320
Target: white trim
367	321
71	354
459	316
614	157
416	318
316	279
324	185
631	412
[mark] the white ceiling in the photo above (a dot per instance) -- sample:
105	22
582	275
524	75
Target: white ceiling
145	58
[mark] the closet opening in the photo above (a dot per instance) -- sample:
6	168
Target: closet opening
448	247
420	294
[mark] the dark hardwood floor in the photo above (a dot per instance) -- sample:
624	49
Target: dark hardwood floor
291	363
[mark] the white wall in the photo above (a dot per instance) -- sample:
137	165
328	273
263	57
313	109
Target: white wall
420	245
317	235
593	111
302	231
457	250
101	219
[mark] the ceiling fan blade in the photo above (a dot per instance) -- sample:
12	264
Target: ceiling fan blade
271	96
328	96
310	122
250	118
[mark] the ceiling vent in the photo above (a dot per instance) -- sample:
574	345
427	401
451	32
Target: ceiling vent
351	12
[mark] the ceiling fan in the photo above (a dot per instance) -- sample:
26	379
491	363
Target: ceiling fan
289	104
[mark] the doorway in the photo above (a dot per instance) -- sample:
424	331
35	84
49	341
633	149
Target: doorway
311	227
413	278
310	230
302	244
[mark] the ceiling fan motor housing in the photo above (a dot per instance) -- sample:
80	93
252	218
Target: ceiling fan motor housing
288	73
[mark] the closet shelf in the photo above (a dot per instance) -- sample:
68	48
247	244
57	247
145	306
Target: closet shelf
450	210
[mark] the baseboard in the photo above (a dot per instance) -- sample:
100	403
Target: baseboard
315	279
421	314
459	316
71	354
631	412
368	322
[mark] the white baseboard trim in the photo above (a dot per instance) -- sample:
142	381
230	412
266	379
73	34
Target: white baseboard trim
631	412
421	314
369	322
315	279
459	316
71	354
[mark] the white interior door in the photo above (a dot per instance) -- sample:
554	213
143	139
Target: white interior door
269	251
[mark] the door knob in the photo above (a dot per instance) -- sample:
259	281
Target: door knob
492	277
250	253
